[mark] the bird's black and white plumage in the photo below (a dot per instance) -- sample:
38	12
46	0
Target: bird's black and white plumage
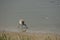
22	25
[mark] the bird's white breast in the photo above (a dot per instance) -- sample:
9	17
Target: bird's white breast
20	21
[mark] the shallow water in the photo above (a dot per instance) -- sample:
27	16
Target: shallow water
40	15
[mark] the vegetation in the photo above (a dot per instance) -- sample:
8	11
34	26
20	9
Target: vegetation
28	36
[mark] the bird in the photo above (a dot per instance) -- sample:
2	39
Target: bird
23	25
